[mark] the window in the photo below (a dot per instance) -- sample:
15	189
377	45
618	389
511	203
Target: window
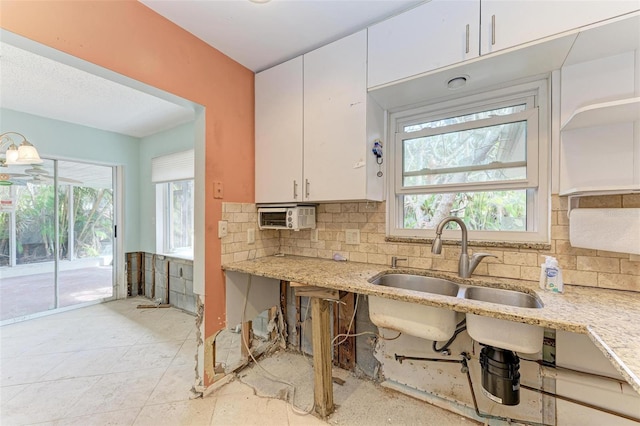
173	175
483	158
177	211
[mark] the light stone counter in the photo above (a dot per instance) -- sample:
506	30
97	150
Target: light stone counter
611	318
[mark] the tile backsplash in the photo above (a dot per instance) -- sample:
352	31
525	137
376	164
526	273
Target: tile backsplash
585	267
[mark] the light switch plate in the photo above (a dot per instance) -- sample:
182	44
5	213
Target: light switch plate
352	236
251	236
223	229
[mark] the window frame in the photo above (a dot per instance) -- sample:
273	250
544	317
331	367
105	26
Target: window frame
164	227
537	97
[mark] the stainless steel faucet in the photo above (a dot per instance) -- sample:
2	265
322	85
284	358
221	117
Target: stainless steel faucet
466	266
395	260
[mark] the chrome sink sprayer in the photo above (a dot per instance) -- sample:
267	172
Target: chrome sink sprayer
466	265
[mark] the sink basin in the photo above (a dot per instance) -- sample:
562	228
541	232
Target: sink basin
418	320
500	333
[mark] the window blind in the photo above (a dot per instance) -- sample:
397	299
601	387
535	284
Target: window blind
172	167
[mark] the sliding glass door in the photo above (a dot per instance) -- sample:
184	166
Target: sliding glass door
56	240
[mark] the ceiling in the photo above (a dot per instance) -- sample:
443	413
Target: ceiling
256	35
261	35
37	85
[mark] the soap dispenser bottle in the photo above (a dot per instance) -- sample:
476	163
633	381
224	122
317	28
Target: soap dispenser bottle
551	275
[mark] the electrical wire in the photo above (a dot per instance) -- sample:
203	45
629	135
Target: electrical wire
460	327
272	376
348	333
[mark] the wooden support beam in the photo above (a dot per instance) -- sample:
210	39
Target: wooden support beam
283	309
246	336
323	384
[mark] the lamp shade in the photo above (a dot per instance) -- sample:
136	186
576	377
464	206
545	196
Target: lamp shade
27	154
12	154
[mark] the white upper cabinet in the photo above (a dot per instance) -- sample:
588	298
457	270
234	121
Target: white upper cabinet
508	23
340	124
278	133
433	35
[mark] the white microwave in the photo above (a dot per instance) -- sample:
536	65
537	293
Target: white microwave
292	217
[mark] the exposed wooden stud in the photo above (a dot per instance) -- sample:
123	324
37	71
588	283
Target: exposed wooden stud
247	336
321	339
320	292
344	354
299	322
283	309
273	314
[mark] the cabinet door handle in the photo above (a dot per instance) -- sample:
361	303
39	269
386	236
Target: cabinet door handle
493	29
295	189
467	38
306	187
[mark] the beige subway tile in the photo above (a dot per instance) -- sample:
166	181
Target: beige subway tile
309	252
386	248
439	264
325	254
227	216
350	247
419	262
499	255
249	225
504	271
601	201
369	227
332	208
227	258
340	217
368	248
559	203
583	278
530	273
369	207
240	256
303	243
521	259
239	237
358	217
598	264
241	217
409	250
451	252
379	259
333	226
565	261
320	208
604	253
630	268
333	245
349	207
318	245
249	208
560	232
554	218
482	269
562	218
358	257
324	217
327	235
631	200
619	282
231	207
376	217
374	237
564	247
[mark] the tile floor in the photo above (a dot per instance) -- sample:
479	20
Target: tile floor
113	364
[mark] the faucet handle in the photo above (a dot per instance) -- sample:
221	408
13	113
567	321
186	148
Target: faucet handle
480	256
394	261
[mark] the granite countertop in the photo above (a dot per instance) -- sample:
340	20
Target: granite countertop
611	318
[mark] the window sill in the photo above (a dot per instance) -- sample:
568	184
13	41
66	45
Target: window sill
494	244
182	256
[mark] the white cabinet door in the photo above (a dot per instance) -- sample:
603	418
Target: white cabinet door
278	121
430	36
508	23
335	107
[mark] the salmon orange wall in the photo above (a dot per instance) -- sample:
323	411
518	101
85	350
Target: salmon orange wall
127	37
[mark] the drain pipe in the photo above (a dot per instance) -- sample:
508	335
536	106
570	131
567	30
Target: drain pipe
465	369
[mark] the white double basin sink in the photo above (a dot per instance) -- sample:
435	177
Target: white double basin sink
439	324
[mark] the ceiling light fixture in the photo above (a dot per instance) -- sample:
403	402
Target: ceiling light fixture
457	82
259	1
25	153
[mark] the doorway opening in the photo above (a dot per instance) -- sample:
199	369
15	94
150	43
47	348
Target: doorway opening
57	237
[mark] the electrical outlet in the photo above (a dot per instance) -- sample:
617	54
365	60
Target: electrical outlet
314	235
352	236
251	236
223	229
